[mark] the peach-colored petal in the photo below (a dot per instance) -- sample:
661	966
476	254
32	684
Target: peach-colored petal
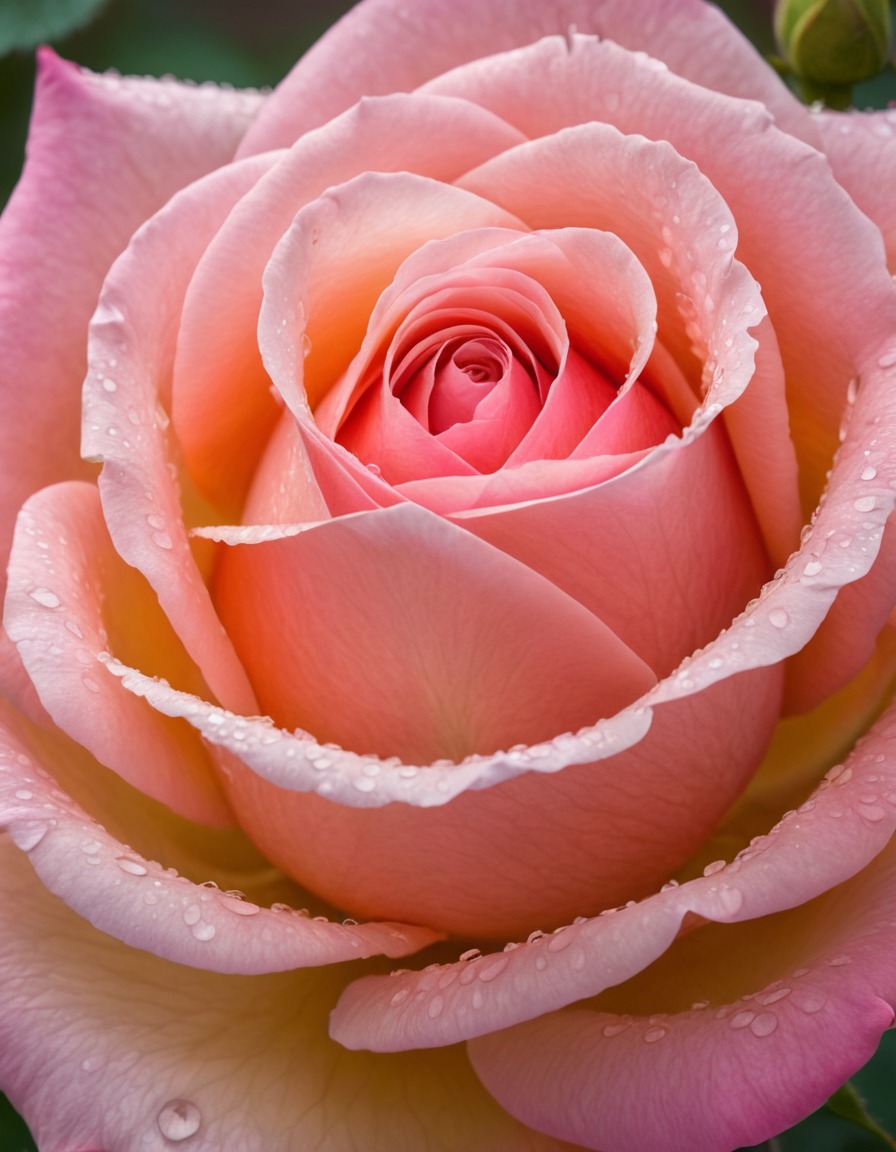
217	350
64	225
99	1043
672	551
469	650
832	836
384	46
71	598
132	340
148	906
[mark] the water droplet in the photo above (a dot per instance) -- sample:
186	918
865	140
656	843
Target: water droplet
764	1024
470	954
28	836
864	504
133	867
361	783
812	568
163	540
109	384
203	931
766	998
490	969
435	1007
869	472
90	847
73	627
560	940
240	907
742	1019
716	866
615	1029
839	961
192	915
778	618
400	996
178	1120
90	684
810	1001
653	1034
45	598
24	794
888	360
871	812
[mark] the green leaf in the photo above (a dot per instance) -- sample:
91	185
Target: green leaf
26	23
848	1104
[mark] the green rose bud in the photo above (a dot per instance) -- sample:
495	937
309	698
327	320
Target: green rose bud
833	43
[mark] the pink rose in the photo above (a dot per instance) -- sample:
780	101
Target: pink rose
449	443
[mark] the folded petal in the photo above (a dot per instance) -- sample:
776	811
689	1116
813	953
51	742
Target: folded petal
147	905
71	598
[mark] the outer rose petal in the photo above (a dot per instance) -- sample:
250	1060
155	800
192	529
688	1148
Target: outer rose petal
728	1072
66	222
99	1043
151	907
386	46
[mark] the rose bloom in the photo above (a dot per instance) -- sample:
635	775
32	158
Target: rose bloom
445	506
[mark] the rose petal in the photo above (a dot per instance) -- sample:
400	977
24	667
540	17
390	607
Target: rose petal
65	223
148	906
721	1078
470	651
669	557
834	834
861	148
132	340
70	597
98	1050
382	46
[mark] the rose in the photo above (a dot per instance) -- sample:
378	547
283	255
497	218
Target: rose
504	236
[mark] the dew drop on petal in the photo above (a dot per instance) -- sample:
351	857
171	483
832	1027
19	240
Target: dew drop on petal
203	931
778	618
45	598
653	1034
764	1024
178	1120
133	867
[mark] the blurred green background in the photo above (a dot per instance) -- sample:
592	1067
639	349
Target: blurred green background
254	45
